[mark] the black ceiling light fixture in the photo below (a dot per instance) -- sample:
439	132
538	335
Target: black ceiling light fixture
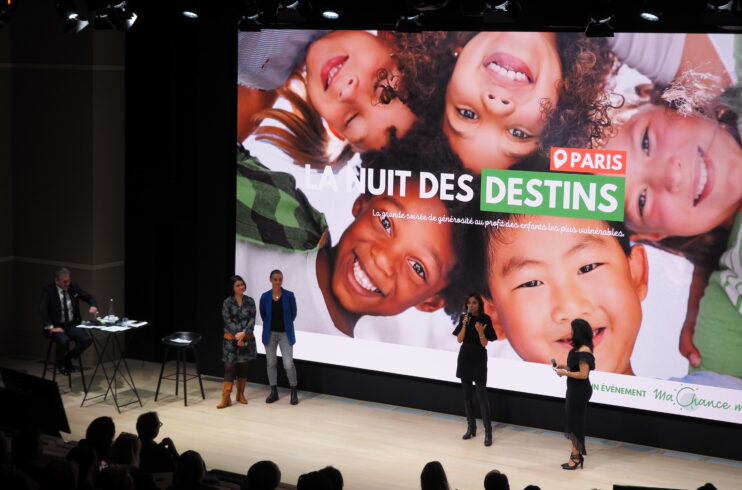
651	10
190	9
250	16
600	16
501	11
74	19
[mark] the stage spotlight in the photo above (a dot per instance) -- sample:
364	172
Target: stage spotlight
599	27
501	11
651	10
291	12
720	5
329	10
410	22
601	15
189	9
71	16
121	15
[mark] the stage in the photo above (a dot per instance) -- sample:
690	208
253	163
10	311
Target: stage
376	446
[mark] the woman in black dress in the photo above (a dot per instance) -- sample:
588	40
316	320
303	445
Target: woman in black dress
238	344
473	332
580	362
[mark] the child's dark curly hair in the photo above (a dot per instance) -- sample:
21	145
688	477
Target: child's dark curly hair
425	148
580	118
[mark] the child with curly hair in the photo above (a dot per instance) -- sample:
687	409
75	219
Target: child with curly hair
499	96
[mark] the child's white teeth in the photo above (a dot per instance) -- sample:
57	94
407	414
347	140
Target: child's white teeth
333	72
702	178
363	278
506	72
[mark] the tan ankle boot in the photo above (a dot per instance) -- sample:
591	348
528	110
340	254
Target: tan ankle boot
241	390
226	395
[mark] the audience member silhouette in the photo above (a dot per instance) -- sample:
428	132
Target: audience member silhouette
263	475
100	434
433	477
189	472
86	458
154	457
494	480
125	452
313	481
333	474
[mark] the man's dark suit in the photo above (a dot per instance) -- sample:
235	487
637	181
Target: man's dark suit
51	309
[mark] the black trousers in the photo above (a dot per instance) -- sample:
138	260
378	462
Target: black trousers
80	336
470	387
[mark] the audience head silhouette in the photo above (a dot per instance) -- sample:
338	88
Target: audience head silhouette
433	477
189	471
263	475
496	481
313	481
100	435
333	474
148	426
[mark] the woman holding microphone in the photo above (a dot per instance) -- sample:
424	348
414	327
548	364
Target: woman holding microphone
474	332
580	362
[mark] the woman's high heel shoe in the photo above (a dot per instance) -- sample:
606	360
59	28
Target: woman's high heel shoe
577	459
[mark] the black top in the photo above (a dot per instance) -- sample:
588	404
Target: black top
472	336
574	358
472	360
154	458
277	316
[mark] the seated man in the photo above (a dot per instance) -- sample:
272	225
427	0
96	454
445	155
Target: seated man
155	457
60	313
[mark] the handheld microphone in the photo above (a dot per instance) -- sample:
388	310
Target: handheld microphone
553	363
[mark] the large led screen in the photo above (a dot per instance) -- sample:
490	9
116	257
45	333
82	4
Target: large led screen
389	175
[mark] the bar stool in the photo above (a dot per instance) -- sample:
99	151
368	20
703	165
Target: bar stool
51	355
182	342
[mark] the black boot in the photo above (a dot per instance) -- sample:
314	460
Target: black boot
471	422
294	396
487	435
273	396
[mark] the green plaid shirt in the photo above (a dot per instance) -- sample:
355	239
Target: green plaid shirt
272	211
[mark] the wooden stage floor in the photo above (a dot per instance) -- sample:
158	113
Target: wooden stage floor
378	446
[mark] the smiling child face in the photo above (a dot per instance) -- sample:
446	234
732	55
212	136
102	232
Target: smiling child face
493	110
538	290
385	265
682	174
344	86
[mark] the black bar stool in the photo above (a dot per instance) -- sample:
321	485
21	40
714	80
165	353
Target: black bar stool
182	342
51	358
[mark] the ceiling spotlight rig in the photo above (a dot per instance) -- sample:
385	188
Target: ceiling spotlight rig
103	14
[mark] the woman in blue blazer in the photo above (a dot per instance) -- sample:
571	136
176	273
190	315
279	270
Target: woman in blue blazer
278	311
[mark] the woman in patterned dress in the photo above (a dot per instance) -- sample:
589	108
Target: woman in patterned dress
238	345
